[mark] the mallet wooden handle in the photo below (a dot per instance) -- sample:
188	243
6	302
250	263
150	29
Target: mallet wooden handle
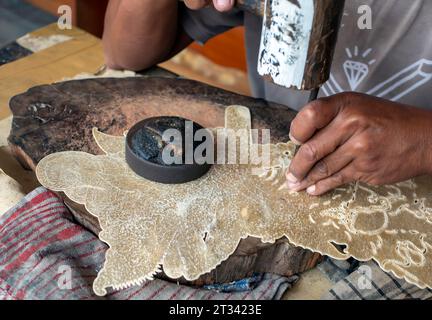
255	6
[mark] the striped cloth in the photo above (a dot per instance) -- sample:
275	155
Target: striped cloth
45	254
354	280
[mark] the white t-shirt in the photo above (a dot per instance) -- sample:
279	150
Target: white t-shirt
393	60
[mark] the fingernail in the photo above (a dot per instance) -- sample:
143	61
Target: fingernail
291	178
294	140
224	4
293	186
311	190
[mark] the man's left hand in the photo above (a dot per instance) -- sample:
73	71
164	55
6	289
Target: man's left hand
355	137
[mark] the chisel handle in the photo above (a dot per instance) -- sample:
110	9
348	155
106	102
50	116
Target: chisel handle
256	7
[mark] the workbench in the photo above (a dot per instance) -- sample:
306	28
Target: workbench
78	52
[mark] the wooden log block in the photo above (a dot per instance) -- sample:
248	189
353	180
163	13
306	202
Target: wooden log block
60	117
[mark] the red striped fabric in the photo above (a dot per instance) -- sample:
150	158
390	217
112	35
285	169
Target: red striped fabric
31	237
175	294
38	211
27	206
15	236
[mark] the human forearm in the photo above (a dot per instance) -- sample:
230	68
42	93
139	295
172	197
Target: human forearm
426	131
140	33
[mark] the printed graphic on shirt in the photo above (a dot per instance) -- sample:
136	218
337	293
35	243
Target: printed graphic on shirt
357	67
355	70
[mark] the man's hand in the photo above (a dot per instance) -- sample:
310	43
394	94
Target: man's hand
220	5
355	137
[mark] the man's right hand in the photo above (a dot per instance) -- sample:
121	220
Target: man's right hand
220	5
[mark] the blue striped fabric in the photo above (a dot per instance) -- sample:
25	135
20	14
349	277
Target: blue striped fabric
354	280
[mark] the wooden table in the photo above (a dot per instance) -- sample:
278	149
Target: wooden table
83	53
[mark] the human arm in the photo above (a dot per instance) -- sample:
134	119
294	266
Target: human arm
141	33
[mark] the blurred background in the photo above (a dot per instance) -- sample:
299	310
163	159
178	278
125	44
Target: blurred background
221	61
